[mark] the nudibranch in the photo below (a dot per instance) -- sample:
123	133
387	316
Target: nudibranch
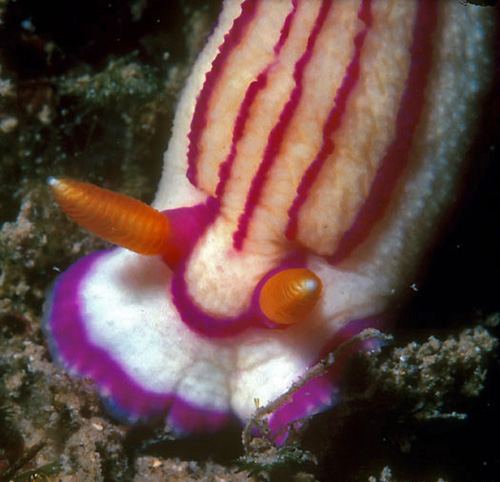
314	149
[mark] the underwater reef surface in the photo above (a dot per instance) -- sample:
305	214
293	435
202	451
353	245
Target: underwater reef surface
88	90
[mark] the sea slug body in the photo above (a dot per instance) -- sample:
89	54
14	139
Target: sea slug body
315	147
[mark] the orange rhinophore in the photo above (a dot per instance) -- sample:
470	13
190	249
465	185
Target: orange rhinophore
328	137
290	295
115	217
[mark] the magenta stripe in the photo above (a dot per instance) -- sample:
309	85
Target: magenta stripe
277	134
199	120
287	25
397	157
333	122
128	399
243	115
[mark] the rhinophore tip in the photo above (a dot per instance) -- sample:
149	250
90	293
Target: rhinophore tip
290	295
115	217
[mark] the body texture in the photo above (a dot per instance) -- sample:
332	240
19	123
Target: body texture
327	137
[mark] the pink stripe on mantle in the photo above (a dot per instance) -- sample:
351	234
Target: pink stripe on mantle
255	87
277	134
397	157
332	124
199	120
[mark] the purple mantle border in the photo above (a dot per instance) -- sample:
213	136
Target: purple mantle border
128	401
